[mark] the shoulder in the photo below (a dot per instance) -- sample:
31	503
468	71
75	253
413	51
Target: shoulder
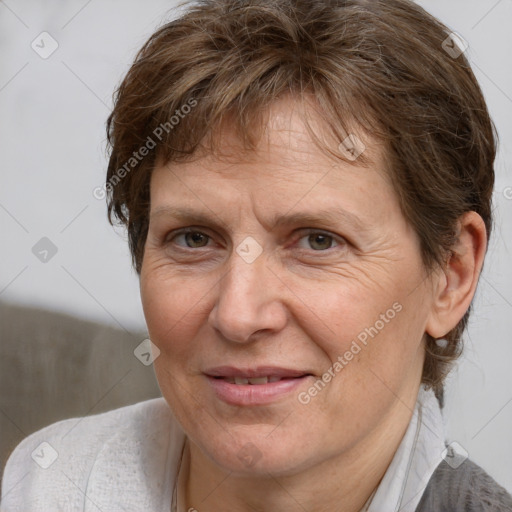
466	488
63	464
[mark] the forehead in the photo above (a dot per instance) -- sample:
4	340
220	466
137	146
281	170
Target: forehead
288	170
292	137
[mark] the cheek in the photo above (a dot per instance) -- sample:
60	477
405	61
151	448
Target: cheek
376	330
389	353
342	311
174	311
173	308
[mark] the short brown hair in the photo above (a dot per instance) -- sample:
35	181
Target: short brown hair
383	63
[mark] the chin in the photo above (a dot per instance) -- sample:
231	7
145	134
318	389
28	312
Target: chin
257	455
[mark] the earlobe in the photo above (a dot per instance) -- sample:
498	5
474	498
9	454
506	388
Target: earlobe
455	284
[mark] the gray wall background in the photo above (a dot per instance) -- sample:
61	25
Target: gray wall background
52	144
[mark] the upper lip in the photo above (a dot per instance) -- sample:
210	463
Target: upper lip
254	372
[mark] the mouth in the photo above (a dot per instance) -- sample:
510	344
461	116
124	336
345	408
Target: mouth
254	386
253	381
254	376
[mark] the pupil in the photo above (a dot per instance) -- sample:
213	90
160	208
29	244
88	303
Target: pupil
324	241
196	239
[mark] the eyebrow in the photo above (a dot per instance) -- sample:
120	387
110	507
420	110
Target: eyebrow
327	217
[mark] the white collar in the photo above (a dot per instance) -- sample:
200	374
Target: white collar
414	462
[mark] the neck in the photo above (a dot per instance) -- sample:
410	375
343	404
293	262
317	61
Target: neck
343	482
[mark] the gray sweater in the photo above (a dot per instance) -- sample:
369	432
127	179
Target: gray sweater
465	489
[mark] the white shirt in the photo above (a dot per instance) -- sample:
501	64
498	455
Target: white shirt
127	460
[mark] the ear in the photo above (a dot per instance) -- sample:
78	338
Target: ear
455	284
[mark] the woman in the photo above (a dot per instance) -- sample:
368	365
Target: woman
306	188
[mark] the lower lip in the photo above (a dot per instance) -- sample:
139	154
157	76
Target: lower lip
254	394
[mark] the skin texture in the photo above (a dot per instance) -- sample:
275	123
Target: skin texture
299	305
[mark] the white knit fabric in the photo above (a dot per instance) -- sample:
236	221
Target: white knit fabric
119	461
126	461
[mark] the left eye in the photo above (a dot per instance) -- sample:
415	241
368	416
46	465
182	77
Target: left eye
319	241
193	239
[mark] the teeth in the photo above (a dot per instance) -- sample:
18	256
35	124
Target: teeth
243	381
259	380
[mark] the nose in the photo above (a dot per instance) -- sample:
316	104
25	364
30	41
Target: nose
249	301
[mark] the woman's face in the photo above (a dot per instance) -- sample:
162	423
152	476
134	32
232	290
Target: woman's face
296	270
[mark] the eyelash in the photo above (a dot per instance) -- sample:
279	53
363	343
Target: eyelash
339	241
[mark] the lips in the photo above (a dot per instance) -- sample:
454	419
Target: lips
254	386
